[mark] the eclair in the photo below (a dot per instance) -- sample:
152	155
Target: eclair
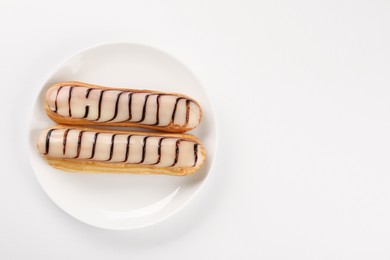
97	150
77	103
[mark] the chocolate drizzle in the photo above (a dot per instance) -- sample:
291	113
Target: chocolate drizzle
127	149
94	145
79	143
187	111
130	99
64	141
143	149
158	110
48	141
87	106
112	146
174	110
116	107
87	92
69	99
100	104
177	152
86	112
55	102
159	151
144	109
195	154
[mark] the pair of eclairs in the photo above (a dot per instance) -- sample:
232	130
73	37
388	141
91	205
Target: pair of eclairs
81	142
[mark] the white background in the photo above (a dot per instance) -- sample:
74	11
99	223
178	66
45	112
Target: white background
301	91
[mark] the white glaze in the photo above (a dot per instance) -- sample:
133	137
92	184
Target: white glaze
56	138
72	102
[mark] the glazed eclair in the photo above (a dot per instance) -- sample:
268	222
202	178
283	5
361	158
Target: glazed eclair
97	150
77	103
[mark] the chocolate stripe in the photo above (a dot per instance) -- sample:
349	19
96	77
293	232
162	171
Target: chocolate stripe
48	140
86	112
87	106
144	149
100	104
159	150
127	149
64	140
174	110
187	112
144	109
195	154
116	107
87	92
130	99
112	146
69	99
55	102
79	143
177	152
94	145
158	110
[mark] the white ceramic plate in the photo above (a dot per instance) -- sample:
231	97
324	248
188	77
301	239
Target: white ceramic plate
123	201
